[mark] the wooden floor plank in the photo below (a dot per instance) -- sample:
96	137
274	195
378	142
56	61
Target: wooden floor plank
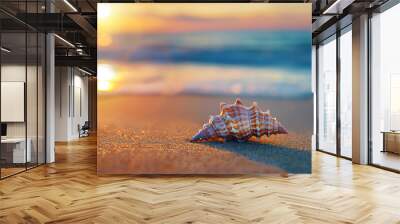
69	191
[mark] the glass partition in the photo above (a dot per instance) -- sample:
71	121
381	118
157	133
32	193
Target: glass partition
13	94
22	77
385	89
31	97
327	95
346	93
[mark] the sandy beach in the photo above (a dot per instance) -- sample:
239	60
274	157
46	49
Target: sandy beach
150	135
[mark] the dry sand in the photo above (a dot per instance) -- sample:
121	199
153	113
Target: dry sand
150	135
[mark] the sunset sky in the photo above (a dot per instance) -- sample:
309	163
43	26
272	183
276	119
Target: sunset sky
174	18
250	48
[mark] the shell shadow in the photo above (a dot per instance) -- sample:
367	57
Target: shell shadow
289	159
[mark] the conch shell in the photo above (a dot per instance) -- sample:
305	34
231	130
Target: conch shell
238	122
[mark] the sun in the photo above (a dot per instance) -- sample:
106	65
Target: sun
104	86
105	77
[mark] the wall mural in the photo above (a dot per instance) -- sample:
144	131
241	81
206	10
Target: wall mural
205	88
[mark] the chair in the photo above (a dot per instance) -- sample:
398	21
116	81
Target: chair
84	130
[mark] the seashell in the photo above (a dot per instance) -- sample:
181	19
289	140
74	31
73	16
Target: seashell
238	122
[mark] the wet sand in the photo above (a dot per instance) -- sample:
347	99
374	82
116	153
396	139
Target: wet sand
150	135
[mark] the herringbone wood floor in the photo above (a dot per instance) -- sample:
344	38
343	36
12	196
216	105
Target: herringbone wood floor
69	191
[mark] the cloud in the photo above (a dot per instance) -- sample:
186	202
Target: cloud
150	79
178	18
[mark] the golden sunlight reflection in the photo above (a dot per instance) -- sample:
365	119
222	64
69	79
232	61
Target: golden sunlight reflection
104	40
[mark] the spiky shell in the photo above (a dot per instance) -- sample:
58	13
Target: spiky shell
239	122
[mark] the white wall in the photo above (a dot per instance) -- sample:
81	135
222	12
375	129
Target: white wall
12	73
71	102
80	111
62	82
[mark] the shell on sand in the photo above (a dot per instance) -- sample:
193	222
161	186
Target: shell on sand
238	122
